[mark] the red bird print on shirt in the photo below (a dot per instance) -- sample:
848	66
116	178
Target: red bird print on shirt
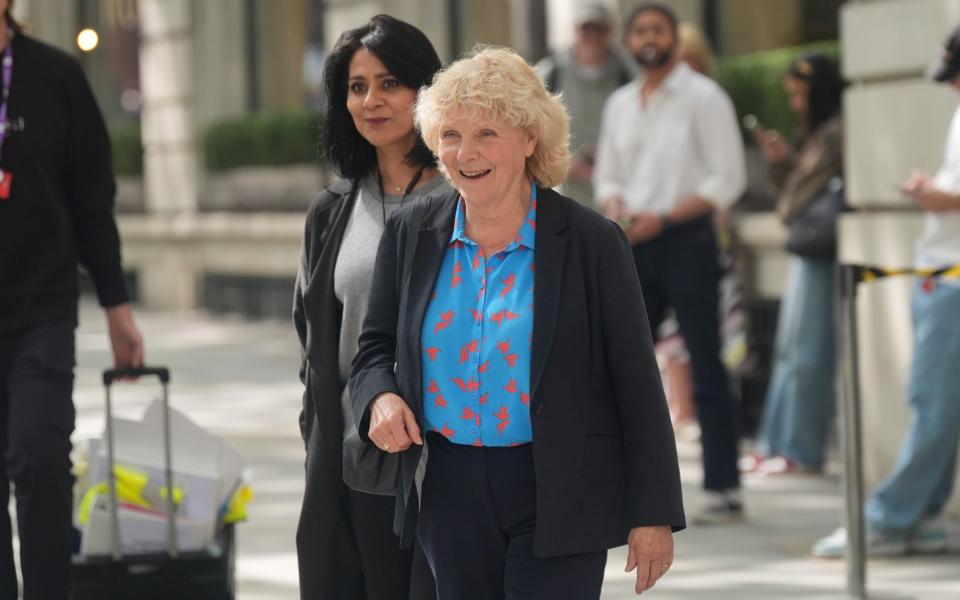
445	319
447	431
525	398
433	388
476	259
469	415
466	349
483	368
508	284
456	280
432	353
483	398
511	386
504	417
466	386
504	348
499	316
478	443
477	315
440	402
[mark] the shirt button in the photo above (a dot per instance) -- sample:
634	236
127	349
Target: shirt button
473	432
473	396
474	359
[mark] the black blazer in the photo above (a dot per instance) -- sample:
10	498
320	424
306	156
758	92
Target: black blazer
604	452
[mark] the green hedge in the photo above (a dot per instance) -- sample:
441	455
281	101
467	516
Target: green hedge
127	149
755	84
261	140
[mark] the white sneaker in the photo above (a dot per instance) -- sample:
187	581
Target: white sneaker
878	544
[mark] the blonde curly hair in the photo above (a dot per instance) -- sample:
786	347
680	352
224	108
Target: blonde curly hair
498	84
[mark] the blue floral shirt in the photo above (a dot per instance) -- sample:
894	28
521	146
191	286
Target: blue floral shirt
476	340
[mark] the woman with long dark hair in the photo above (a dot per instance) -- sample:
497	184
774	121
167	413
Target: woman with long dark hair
345	542
800	401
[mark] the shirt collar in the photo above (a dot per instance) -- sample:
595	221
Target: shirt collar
674	81
526	237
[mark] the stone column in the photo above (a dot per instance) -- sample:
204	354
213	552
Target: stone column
171	174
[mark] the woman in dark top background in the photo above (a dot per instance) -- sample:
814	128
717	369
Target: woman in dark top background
345	544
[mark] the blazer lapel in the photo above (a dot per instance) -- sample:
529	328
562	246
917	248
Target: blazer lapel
428	255
550	249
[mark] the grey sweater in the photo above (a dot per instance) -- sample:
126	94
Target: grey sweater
358	252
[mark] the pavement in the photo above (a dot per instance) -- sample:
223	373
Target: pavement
239	379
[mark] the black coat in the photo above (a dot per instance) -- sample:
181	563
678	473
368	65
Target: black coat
604	452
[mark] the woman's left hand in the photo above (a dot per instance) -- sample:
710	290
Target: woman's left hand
650	553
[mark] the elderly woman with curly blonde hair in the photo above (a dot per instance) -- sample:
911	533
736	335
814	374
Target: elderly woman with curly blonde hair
506	340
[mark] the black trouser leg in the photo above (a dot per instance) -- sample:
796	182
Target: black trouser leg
477	523
681	268
38	421
8	570
346	548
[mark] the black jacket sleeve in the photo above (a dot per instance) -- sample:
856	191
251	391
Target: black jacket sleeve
372	371
90	190
653	473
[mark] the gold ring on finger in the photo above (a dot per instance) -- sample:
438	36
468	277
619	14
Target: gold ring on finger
386	447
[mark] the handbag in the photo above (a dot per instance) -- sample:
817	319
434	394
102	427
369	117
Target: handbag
813	233
366	468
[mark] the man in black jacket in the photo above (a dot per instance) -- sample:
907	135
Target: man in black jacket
56	210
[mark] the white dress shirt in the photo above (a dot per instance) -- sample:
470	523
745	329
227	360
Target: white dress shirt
685	142
939	246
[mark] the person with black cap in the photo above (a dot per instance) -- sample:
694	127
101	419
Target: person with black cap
586	74
904	514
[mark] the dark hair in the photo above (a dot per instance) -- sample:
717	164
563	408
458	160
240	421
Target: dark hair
645	7
408	56
825	97
10	21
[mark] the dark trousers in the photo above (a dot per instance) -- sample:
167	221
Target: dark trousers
346	548
680	269
36	420
476	524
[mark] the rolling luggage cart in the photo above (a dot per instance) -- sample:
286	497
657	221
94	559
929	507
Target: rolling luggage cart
173	575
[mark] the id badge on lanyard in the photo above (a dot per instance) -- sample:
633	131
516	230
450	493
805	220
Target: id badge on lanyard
6	177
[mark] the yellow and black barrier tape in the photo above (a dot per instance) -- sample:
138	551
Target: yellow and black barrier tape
864	273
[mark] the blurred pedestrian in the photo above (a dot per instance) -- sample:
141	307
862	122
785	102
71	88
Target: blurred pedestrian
547	438
800	403
694	49
345	544
586	74
904	514
56	210
669	155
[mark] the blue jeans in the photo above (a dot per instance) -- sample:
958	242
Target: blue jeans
800	401
922	479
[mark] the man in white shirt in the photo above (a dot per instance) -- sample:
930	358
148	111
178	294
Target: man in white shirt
904	513
669	154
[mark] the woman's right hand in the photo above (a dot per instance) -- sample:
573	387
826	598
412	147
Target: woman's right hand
771	144
393	426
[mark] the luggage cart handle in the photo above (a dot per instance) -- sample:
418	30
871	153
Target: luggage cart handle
111	375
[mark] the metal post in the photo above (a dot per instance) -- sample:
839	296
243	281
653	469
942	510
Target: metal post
172	549
111	482
850	438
